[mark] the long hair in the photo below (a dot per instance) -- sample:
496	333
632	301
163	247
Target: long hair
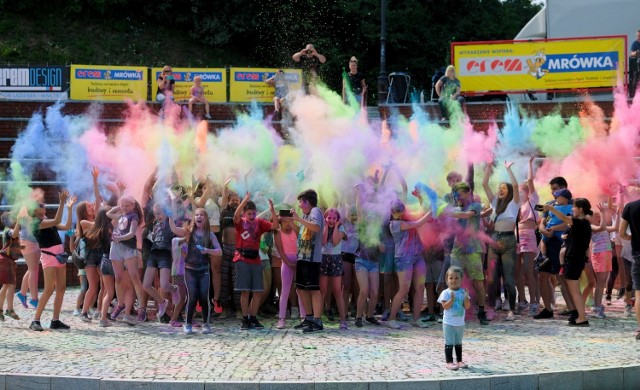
100	232
501	204
82	214
190	228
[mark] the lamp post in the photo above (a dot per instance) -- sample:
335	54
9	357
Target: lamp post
382	77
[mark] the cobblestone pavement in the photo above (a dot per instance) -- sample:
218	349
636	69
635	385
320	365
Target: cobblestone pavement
157	351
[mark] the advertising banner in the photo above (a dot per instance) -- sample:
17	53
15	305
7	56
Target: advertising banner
214	82
108	83
249	84
34	82
539	65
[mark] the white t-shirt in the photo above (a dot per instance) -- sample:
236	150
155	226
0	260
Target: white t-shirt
510	213
453	316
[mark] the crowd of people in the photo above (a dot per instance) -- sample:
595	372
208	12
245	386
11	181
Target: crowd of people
208	251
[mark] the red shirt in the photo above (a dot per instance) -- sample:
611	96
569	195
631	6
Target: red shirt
248	235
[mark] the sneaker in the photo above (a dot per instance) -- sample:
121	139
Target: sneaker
77	312
57	324
33	303
142	314
116	312
175	295
462	364
628	310
303	324
393	324
419	324
482	317
175	324
131	320
385	315
498	304
162	308
373	321
96	315
402	316
23	299
599	313
584	323
12	314
35	325
313	327
246	324
439	320
343	325
358	322
282	323
217	308
452	366
541	261
522	306
187	329
544	314
329	314
206	329
295	313
255	324
104	324
84	317
510	317
430	318
533	309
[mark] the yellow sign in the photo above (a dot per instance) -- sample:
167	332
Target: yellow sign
539	65
214	82
104	82
249	84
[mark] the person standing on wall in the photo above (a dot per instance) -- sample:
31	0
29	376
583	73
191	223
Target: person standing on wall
309	60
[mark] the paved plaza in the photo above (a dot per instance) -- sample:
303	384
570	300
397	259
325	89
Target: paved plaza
154	351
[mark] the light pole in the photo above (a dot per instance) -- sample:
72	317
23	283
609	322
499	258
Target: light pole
382	77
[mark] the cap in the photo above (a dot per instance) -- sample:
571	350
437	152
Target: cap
565	193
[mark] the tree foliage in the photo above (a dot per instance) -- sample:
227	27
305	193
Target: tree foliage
260	32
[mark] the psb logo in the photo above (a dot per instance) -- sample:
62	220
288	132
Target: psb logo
535	65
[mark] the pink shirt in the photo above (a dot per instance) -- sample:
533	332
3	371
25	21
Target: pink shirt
526	208
289	245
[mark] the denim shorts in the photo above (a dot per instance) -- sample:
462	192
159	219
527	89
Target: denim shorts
120	252
367	265
406	263
106	268
159	258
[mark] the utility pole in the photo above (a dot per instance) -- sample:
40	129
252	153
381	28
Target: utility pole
382	77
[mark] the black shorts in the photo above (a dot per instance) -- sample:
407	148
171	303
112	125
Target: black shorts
159	258
94	258
553	253
307	275
573	268
349	257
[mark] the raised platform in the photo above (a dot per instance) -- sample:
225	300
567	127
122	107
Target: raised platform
524	354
